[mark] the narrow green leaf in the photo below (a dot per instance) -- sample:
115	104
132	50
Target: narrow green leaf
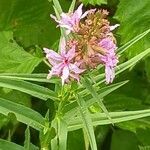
62	134
87	122
27	139
61	29
72	108
29	77
72	6
6	145
57	6
87	84
120	68
29	88
55	140
131	42
101	118
23	114
132	61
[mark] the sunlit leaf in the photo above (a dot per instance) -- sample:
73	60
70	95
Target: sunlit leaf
94	2
101	118
29	88
13	57
6	145
23	114
87	122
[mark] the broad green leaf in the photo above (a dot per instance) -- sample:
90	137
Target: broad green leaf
92	90
102	119
30	77
72	108
22	113
119	102
6	145
87	122
94	2
30	21
133	125
127	140
13	57
132	23
143	137
29	88
74	140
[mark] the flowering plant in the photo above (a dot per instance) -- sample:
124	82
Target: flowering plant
74	105
92	43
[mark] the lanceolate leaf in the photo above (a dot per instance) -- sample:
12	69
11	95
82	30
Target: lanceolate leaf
72	108
23	114
101	118
121	49
6	145
87	122
27	139
29	88
62	134
72	6
91	89
30	77
57	6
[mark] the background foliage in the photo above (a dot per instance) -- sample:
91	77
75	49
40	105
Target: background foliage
25	28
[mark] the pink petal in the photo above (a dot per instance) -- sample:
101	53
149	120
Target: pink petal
65	74
110	74
56	70
65	18
87	12
71	53
78	12
75	69
52	55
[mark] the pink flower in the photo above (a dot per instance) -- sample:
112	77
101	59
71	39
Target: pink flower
71	21
62	64
110	59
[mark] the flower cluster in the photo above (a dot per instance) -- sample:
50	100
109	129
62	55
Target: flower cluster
92	43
